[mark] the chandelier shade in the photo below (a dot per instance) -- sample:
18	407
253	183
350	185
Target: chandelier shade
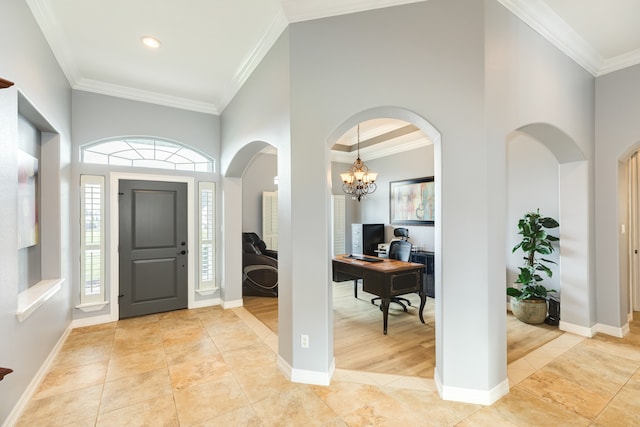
359	181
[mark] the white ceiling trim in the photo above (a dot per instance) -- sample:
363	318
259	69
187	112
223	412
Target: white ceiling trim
619	62
252	60
539	16
304	11
48	22
144	96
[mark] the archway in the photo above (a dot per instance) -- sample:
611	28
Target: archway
233	221
577	291
380	205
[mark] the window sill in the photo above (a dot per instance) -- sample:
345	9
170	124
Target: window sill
207	291
92	306
32	298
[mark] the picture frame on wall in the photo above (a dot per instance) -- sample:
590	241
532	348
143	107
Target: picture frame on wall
412	201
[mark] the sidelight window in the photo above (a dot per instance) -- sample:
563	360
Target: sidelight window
92	271
206	237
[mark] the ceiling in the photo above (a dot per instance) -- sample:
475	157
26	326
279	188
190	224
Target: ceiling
210	47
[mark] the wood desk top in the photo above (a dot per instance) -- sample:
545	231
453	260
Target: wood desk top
386	265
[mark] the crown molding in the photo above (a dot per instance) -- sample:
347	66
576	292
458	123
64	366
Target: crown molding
252	60
373	153
48	23
619	62
539	16
297	12
145	96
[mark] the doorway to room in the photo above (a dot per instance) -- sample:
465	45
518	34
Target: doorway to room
396	149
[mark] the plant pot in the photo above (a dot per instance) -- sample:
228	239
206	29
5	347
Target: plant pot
532	311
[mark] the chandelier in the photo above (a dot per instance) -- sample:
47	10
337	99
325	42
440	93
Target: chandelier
359	181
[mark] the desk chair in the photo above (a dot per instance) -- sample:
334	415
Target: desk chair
400	250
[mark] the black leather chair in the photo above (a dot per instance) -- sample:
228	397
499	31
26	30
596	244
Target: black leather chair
400	250
259	271
256	241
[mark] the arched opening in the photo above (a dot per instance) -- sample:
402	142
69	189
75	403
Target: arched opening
240	213
408	148
547	170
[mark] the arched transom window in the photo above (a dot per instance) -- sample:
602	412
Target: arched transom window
146	152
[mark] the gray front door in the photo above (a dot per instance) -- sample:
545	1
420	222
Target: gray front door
153	247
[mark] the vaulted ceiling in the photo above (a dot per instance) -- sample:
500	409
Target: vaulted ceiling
210	47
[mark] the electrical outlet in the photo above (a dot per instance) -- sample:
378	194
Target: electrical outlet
304	341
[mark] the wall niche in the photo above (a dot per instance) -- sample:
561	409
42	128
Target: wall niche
39	247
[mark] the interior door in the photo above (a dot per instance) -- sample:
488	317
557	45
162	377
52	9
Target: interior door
152	247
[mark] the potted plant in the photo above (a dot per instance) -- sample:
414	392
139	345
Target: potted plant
529	299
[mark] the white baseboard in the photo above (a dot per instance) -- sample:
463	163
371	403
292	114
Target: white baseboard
614	331
466	395
583	331
206	303
304	376
90	321
232	304
28	393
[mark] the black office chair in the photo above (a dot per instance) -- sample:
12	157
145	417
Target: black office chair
400	250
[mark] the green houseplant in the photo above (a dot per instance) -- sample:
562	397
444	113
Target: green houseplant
529	298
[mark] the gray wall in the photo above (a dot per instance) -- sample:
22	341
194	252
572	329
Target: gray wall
97	117
258	177
427	58
617	137
259	116
531	82
28	61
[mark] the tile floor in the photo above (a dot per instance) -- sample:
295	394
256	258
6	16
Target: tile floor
214	367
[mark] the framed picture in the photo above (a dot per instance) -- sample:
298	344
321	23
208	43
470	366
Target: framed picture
412	201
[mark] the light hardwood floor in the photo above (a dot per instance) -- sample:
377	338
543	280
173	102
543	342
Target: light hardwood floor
408	348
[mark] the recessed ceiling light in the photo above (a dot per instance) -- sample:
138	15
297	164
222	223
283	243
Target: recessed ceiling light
151	42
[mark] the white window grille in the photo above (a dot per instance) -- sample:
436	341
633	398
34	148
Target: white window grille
145	152
92	271
206	239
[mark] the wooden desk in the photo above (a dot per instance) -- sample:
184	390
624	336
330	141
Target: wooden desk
386	278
